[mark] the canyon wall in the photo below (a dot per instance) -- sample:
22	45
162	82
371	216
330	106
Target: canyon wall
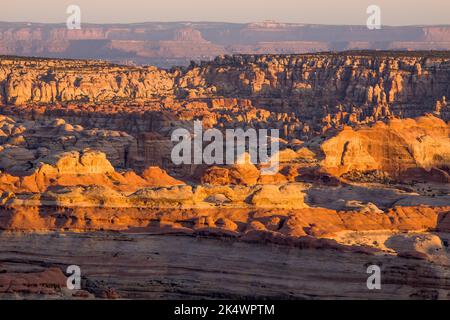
85	147
300	93
175	43
304	96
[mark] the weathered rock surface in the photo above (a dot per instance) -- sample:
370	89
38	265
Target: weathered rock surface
87	168
24	143
304	96
133	266
355	175
407	149
350	87
46	283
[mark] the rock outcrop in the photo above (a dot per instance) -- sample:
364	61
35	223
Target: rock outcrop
87	168
86	146
404	149
303	96
351	87
24	143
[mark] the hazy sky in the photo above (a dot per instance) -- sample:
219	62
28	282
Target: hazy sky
394	12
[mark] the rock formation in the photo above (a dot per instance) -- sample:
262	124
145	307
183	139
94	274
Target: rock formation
398	148
166	44
364	160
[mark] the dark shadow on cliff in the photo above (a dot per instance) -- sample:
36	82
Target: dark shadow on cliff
337	197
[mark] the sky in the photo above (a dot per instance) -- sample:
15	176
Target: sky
393	12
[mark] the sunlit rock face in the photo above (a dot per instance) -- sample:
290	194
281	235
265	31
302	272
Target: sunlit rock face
334	88
398	147
363	172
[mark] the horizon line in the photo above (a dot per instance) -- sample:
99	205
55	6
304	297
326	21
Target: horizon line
225	22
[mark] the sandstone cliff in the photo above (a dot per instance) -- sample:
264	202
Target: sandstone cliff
85	147
302	95
404	149
175	43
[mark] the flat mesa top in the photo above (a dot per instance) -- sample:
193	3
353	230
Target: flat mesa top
438	54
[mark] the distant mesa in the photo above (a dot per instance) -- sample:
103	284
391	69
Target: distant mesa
153	43
188	34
